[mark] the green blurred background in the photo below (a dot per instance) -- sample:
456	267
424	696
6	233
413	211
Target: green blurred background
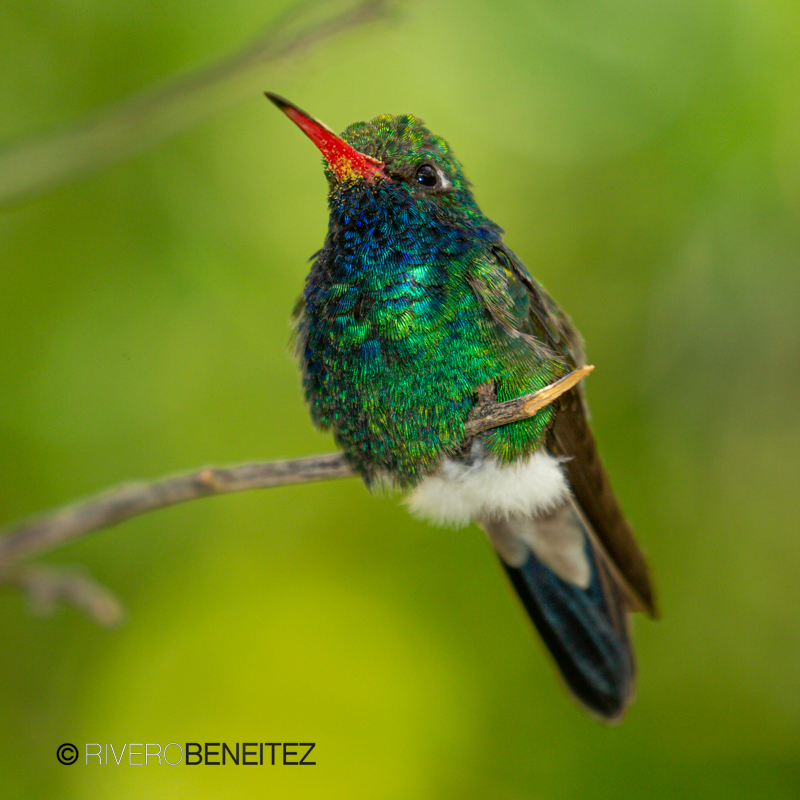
644	159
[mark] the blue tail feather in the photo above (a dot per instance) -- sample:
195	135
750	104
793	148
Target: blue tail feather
593	654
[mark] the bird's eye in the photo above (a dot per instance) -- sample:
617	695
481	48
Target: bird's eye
426	175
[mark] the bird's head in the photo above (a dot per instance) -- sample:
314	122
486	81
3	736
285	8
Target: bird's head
396	150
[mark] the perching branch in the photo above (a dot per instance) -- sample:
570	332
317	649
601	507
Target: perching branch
46	585
68	523
40	534
102	139
492	415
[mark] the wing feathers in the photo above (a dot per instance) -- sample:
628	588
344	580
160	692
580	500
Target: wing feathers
571	436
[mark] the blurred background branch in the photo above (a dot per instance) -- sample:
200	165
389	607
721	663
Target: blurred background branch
44	162
46	587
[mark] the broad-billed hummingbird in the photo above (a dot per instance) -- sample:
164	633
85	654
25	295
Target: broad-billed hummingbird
413	307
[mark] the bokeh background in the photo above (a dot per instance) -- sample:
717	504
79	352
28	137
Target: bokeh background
644	159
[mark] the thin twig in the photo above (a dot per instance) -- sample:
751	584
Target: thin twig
44	162
68	523
492	415
131	499
48	586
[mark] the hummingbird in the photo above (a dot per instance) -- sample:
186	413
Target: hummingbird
413	313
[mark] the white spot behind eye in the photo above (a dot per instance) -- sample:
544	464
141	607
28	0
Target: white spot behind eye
444	181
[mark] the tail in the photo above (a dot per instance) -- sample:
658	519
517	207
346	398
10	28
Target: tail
573	598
